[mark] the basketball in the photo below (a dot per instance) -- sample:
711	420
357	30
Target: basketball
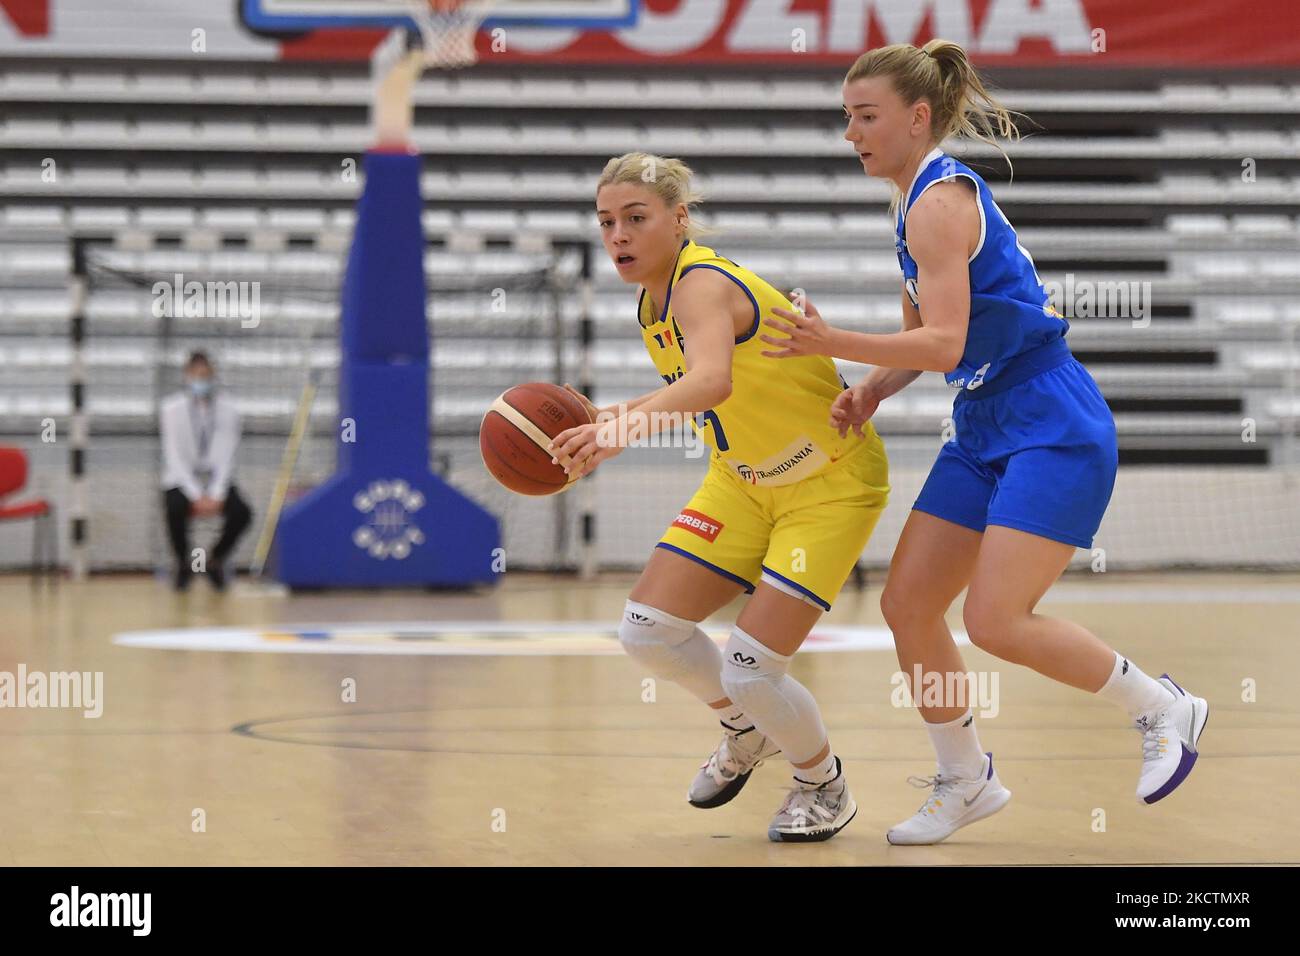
515	433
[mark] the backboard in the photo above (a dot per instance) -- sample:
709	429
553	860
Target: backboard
292	16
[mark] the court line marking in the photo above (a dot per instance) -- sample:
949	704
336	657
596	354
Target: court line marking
250	729
1121	593
1080	588
1003	757
464	638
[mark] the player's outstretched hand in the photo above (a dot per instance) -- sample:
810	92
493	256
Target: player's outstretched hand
807	332
582	448
852	408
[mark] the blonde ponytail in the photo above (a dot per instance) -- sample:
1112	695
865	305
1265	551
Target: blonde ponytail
968	109
941	74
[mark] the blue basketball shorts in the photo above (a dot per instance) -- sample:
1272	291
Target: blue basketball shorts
1038	455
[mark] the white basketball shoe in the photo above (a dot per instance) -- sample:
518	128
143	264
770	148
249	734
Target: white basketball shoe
727	770
953	803
812	813
1165	766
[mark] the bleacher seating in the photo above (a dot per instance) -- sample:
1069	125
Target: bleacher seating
1138	185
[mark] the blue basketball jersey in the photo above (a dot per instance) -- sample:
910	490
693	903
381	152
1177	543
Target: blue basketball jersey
1009	309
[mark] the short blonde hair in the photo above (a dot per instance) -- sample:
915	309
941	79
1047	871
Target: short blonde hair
669	179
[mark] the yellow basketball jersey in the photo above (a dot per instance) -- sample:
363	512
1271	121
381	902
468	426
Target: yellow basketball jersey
774	428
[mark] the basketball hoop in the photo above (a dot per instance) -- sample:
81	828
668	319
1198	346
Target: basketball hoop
448	29
444	41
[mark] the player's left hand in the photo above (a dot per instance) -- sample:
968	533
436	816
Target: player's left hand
807	331
582	448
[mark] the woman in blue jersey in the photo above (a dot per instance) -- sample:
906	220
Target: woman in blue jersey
1030	471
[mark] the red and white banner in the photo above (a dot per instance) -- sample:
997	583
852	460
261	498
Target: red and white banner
1086	33
1092	33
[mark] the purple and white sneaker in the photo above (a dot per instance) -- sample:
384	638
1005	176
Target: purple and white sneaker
1165	766
953	803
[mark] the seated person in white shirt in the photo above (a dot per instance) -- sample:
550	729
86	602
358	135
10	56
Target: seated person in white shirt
200	432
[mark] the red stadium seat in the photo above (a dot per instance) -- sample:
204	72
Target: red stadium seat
13	476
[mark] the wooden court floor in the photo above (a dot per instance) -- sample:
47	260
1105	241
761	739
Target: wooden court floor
512	759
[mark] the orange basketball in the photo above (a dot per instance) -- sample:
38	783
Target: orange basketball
516	430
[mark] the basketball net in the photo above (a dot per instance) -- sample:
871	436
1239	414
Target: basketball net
444	41
447	30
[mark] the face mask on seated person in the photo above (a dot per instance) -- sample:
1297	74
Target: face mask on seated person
199	387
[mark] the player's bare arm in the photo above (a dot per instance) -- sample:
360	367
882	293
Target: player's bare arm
943	227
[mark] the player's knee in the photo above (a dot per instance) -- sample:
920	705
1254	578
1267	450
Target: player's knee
751	672
903	614
894	608
990	628
651	636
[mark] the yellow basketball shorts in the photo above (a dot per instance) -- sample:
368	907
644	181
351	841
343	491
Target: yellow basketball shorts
807	536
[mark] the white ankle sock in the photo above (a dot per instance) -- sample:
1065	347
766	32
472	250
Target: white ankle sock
958	747
818	773
1133	690
733	717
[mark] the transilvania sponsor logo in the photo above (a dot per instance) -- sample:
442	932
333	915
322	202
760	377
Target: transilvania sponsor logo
755	475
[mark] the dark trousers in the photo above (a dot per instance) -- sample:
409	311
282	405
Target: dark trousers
235	519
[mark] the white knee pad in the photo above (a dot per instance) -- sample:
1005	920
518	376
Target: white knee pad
754	677
672	649
751	671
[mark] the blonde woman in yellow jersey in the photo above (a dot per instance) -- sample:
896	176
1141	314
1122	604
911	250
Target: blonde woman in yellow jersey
783	513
